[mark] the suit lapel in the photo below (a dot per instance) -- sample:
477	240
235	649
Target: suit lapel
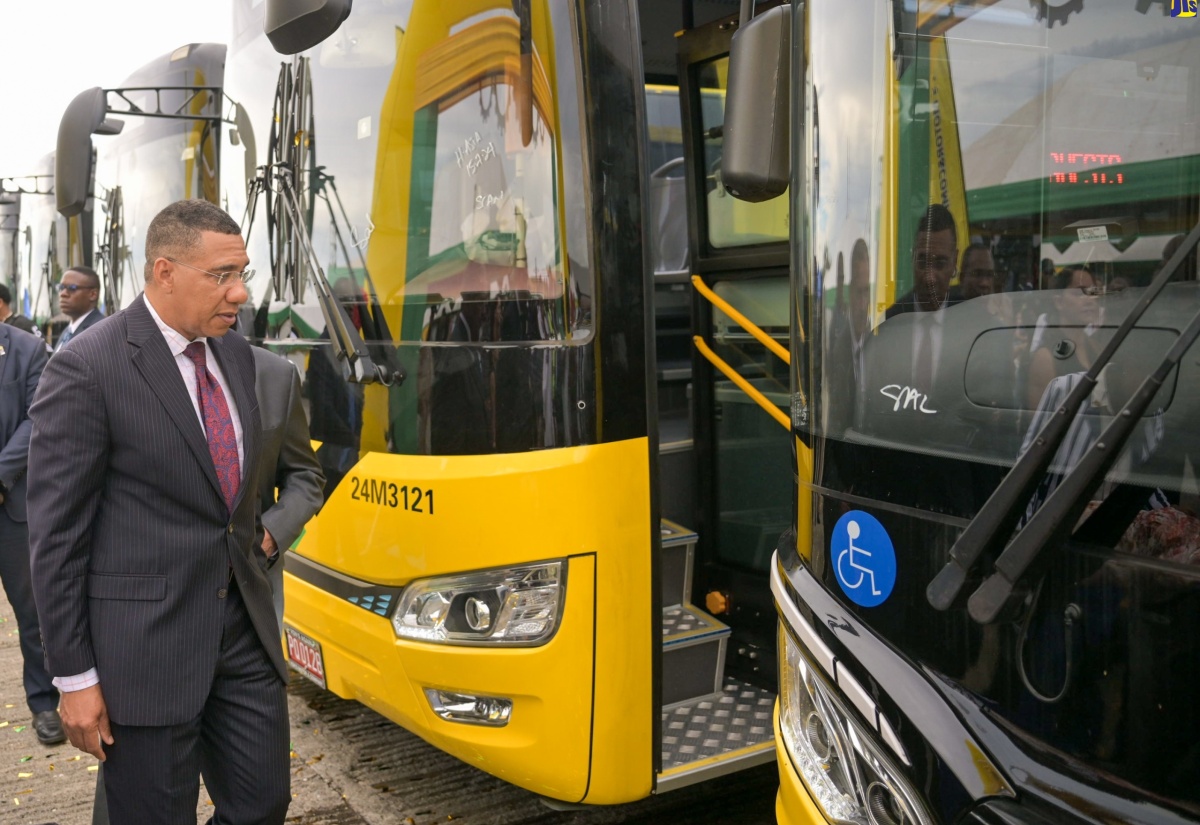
245	401
153	360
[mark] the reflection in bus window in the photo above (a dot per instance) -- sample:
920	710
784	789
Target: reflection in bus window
484	223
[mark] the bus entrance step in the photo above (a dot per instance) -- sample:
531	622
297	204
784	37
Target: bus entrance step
693	663
716	735
678	552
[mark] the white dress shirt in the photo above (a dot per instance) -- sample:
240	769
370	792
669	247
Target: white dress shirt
187	370
74	325
71	329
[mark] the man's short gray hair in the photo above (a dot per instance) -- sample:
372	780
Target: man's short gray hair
176	229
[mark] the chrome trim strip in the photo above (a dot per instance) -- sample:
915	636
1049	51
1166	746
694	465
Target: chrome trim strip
907	686
849	686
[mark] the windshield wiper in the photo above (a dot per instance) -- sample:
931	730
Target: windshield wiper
995	521
1057	517
381	348
348	344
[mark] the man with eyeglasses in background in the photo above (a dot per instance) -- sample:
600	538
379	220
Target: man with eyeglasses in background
78	295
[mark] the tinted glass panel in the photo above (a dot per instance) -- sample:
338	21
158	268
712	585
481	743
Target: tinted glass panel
992	194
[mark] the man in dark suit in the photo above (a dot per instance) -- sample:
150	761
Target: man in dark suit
148	568
78	297
287	448
22	359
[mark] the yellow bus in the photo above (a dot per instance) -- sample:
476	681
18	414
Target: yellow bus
544	357
548	523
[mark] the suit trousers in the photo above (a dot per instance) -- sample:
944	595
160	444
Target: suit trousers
40	692
238	743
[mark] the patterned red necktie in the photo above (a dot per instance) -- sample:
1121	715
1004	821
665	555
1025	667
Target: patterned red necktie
218	423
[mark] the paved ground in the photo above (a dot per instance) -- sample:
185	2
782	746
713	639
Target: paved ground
350	767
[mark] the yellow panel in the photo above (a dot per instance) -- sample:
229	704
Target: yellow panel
488	511
589	503
545	745
457	65
804	473
793	804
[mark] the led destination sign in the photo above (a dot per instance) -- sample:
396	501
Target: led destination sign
1083	167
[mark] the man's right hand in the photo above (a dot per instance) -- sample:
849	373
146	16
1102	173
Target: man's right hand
85	719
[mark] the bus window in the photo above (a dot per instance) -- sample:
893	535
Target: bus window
484	221
667	210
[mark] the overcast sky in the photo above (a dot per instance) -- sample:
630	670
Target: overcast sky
53	49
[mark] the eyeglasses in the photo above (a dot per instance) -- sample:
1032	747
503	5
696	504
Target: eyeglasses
983	274
244	276
73	288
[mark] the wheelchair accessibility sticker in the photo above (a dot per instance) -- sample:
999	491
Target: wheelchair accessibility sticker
864	560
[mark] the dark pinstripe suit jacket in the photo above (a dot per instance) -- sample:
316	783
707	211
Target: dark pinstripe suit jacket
288	462
22	359
131	541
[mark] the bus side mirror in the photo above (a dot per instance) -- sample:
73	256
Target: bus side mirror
295	25
755	161
84	117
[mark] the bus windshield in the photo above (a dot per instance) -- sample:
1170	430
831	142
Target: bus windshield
979	233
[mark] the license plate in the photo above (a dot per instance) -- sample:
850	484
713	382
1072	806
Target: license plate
304	654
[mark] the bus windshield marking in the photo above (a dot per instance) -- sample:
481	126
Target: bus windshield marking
906	397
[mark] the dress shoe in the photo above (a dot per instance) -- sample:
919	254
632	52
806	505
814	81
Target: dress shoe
48	727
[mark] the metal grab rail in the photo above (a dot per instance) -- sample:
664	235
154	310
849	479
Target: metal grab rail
742	321
744	385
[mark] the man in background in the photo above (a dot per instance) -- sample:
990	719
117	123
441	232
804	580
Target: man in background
934	259
976	276
14	319
22	359
78	295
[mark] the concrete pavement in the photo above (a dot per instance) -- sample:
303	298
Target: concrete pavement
350	766
40	784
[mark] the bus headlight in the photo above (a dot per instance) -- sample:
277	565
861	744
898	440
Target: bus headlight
839	761
505	606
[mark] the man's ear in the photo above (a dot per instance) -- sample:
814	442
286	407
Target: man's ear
163	274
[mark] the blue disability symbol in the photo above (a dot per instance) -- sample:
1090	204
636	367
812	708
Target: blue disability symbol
864	560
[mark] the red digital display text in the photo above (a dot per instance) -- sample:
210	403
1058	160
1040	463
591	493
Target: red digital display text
1084	167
